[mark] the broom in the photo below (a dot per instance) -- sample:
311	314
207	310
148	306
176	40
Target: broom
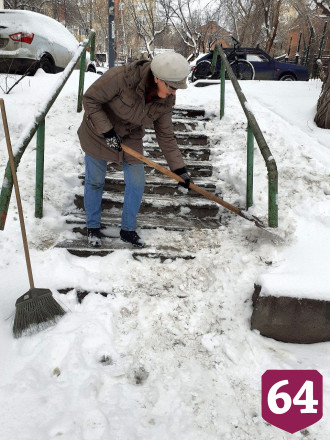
36	309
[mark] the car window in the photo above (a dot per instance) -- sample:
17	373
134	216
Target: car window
257	58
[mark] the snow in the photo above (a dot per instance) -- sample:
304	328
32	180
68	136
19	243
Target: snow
39	24
247	106
194	62
49	96
306	265
169	353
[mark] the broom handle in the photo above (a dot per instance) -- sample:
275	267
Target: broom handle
196	188
18	197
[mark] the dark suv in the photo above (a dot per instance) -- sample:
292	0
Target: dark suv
265	66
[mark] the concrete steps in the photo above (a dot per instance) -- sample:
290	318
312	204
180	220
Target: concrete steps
164	204
170	223
196	168
183	138
156	183
185	206
191	152
291	319
186	112
80	248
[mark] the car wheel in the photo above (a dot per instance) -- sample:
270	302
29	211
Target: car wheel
47	65
91	68
287	77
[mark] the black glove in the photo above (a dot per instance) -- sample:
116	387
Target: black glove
112	140
183	173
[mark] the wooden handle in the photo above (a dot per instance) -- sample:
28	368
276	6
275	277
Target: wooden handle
18	196
192	186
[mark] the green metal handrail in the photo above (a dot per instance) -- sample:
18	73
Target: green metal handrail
253	132
91	39
38	125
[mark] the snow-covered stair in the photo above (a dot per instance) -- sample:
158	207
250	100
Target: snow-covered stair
164	205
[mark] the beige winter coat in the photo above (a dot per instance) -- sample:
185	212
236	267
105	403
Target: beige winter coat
116	100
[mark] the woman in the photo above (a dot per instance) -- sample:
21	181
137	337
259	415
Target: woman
118	106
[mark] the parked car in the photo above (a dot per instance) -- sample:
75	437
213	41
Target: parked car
100	70
29	41
265	66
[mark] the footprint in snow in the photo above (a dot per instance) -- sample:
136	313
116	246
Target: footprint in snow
95	426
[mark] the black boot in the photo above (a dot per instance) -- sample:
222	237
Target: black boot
94	237
131	237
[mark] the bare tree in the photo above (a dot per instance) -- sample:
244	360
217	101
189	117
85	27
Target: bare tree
213	28
187	18
254	21
324	4
322	117
31	5
147	21
101	25
14	4
239	19
272	12
65	11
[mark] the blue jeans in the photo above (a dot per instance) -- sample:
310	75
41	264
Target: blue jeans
134	177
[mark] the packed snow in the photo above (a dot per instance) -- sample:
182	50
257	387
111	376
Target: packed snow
168	353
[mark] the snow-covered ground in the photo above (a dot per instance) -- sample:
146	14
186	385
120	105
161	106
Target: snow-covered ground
169	353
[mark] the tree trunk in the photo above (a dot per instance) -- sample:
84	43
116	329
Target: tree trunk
322	117
273	32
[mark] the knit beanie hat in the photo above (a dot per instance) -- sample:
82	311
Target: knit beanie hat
172	68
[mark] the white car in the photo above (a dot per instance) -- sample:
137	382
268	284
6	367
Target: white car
29	41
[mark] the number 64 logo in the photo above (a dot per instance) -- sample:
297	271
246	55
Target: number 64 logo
292	399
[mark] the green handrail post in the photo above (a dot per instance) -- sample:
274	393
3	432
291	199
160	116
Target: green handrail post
40	155
6	193
249	168
91	39
262	144
222	89
81	81
214	59
38	119
273	196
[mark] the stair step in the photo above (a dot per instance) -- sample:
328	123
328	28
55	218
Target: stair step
184	124
183	138
163	205
189	152
184	206
169	223
290	319
195	167
80	248
155	184
189	112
